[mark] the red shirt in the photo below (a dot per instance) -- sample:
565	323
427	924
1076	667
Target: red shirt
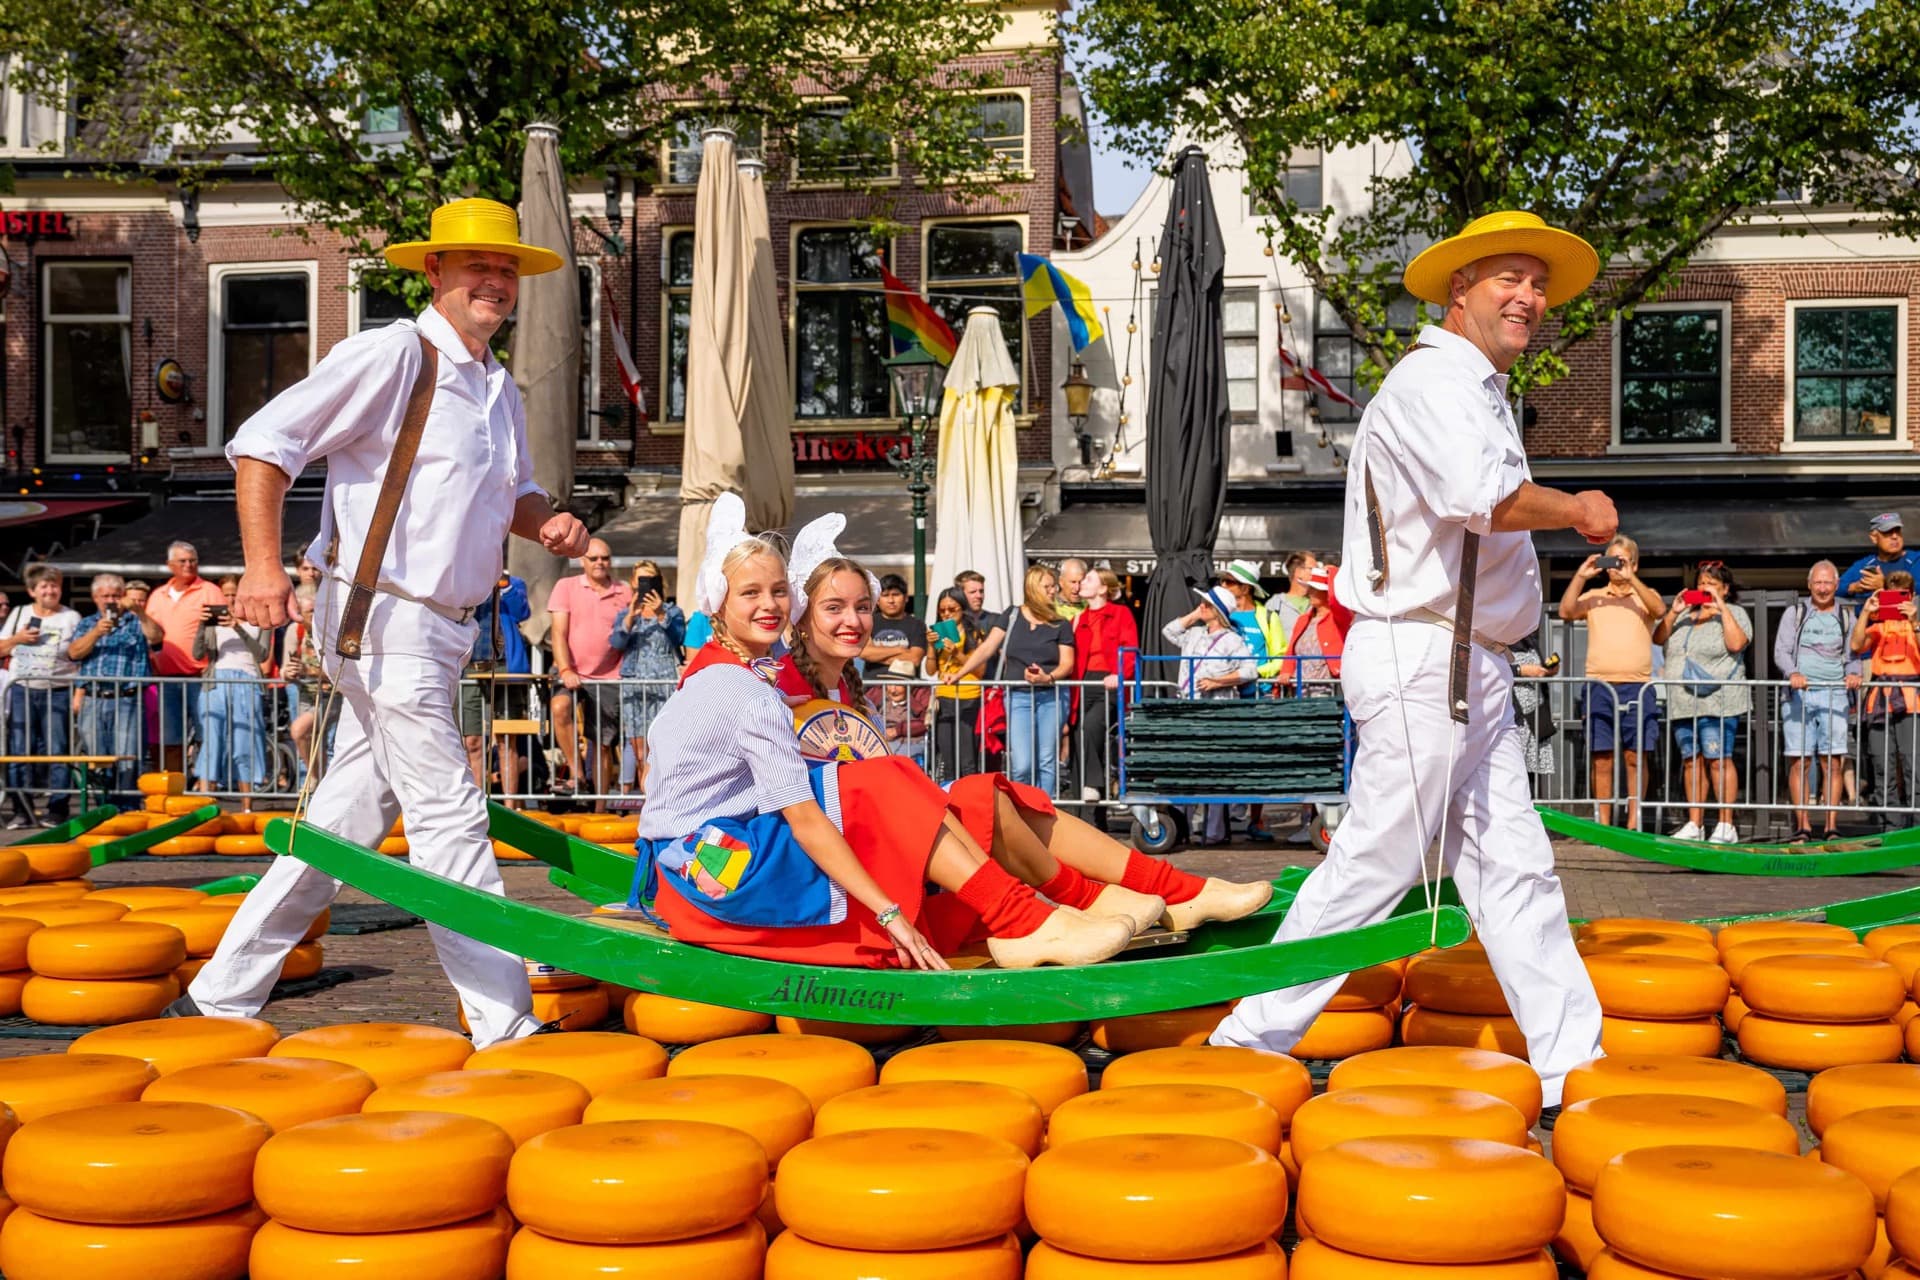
1098	637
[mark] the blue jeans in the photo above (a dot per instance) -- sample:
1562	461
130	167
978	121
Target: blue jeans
1033	737
40	723
112	724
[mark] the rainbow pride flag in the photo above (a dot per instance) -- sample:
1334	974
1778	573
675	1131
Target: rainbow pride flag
911	320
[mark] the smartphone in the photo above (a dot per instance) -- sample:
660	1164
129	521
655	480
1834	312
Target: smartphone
1696	598
1886	605
1609	562
1552	664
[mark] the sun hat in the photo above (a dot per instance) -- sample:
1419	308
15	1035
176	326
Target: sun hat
1218	598
1321	579
485	225
1571	262
1245	573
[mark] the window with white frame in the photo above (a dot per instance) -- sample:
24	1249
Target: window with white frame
828	147
1000	124
1301	180
1846	383
685	147
87	370
677	303
28	120
383	120
376	301
840	336
1336	354
1672	370
261	335
973	264
1240	325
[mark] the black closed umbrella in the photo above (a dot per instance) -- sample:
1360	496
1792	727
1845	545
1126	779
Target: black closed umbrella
1186	403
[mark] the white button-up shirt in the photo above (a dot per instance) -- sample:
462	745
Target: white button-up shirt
1440	442
473	464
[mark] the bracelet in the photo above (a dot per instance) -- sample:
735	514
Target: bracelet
887	915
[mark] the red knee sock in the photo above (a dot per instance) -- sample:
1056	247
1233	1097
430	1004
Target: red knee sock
1008	908
1070	889
1150	875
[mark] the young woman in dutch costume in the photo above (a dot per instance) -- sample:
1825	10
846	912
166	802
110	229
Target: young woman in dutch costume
1069	861
746	847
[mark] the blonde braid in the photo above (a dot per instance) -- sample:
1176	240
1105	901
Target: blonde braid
724	638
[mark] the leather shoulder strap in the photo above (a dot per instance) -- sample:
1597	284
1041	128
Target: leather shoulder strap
393	487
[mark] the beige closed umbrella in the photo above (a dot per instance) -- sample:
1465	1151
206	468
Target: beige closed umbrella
977	484
766	428
547	348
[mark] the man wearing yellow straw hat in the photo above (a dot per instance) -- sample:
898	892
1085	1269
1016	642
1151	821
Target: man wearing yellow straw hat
1440	571
425	443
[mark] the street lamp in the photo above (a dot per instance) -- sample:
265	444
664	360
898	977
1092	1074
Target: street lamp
917	379
1078	391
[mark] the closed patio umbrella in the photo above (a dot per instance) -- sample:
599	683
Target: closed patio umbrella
766	427
976	487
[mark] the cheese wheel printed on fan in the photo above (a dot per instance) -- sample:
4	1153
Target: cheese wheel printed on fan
1657	986
1815	1046
1047	1073
1167	1108
738	1253
1733	1214
1333	1035
1736	959
302	962
1588	1134
1391	1110
1845	1090
113	949
174	1044
1262	1261
901	1189
1282	1081
282	1091
1371	988
1318	1260
793	1257
388	1051
1745	931
819	1066
1823	988
1060	1033
1495	1073
635	1181
1576	1243
1497	1032
392	1171
47	1084
524	1103
14	932
1680	1037
71	1002
33	1247
670	1021
135	897
772	1112
132	1162
55	861
1455	983
1153	1197
69	911
1617	926
1876	1145
970	1106
858	1033
1432	1199
202	925
472	1249
1648	944
595	1060
169	783
1888	936
1168	1029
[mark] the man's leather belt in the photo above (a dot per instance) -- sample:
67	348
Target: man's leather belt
446	611
1433	617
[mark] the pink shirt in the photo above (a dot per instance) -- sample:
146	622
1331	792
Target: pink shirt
179	617
590	616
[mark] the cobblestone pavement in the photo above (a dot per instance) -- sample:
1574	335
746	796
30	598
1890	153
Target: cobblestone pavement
397	978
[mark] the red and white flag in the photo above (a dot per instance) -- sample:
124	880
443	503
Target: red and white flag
623	357
1316	380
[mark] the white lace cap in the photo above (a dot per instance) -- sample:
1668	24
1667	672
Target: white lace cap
812	547
726	529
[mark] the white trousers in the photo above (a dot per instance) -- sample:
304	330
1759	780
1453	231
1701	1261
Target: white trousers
1493	845
398	752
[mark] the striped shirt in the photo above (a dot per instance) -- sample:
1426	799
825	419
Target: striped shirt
722	747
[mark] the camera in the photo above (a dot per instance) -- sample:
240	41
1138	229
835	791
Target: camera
1609	562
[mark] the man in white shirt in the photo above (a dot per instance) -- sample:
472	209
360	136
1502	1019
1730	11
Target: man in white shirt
1439	455
398	749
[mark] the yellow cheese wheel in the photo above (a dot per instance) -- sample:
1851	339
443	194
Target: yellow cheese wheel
1903	956
174	1044
1615	926
169	783
859	1033
1167	1108
737	1253
1420	1026
129	823
202	925
544	977
1391	1110
114	949
627	1181
1733	935
153	805
321	923
1262	1261
303	961
475	1249
282	1091
1061	1033
970	1106
247	846
1370	988
33	1247
388	1051
524	1103
1657	986
772	1112
1168	1029
672	1021
1903	1214
1731	1016
1910	1034
178	803
34	894
15	870
1876	1145
1733	1214
11	986
69	1002
1816	1046
392	1171
1317	1260
581	1009
393	846
598	829
819	1066
183	847
14	932
128	1162
49	1083
1682	1037
1283	1082
1455	983
1823	988
1046	1073
1735	959
1845	1090
261	817
1908	1012
595	1060
136	896
1588	1134
1648	944
1154	1197
9	859
1432	1199
212	828
55	861
1333	1035
1888	936
76	911
1577	1244
1495	1073
900	1189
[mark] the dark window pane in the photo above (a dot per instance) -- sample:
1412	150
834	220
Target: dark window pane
1844	361
974	250
687	146
379	307
1001	123
837	255
840	343
1816	408
1870	337
1870	404
1820	340
90	405
829	147
679	334
266	301
77	290
382	120
680	258
1303	186
1670	378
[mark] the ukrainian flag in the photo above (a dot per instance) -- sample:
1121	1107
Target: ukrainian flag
1045	285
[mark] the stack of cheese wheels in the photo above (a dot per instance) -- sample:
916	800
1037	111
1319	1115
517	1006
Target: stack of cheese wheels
1727	1213
50	1083
524	1103
1361	1017
1046	1073
282	1091
1506	1078
1810	1012
612	1199
1590	1133
1878	1146
820	1067
1454	999
970	1106
161	784
1905	958
54	863
670	1021
1284	1084
597	1061
1631	1073
305	960
398	1193
1656	1003
14	974
1218	1110
132	1188
1172	1028
614	833
574	1008
1902	1225
1393	1110
174	1044
1155	1198
390	1052
95	974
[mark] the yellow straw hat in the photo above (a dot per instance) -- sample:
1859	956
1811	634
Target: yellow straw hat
474	224
1571	262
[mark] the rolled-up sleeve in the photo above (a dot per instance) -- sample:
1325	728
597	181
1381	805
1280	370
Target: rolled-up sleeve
349	393
1460	457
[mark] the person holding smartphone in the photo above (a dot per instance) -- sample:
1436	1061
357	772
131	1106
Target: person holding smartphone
648	634
1035	647
1885	632
1622	712
39	697
1704	633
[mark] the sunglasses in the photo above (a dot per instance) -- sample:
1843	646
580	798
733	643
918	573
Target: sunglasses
1712	564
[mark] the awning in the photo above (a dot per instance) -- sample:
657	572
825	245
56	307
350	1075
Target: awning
22	511
139	549
879	527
